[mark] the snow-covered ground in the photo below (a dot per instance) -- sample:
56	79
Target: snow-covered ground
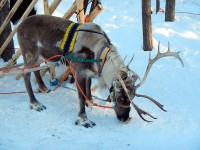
175	87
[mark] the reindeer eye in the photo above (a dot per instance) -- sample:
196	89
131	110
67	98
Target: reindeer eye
121	100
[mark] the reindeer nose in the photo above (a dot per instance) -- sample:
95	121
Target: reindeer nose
128	120
124	119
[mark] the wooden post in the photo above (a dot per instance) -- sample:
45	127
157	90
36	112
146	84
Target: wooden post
53	6
157	6
2	3
28	10
147	26
94	13
70	12
80	11
11	13
170	10
46	7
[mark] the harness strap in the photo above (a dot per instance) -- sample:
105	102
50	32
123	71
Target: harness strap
102	55
78	59
90	31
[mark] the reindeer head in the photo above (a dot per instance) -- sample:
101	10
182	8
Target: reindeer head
120	97
118	94
124	88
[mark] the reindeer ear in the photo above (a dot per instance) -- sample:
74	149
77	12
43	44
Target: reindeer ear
122	74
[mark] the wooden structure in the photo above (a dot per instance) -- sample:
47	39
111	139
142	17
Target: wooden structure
79	7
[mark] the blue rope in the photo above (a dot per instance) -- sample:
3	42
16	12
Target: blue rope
66	87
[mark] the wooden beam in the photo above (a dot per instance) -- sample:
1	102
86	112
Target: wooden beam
2	74
70	12
11	13
94	4
14	58
53	6
19	76
94	13
2	3
46	7
80	11
28	10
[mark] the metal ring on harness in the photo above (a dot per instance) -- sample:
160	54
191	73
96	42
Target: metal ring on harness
80	59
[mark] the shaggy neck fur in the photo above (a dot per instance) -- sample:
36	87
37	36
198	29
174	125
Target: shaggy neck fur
112	64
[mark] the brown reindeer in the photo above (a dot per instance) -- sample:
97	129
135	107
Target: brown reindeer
40	37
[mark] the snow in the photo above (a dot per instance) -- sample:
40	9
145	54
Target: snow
168	82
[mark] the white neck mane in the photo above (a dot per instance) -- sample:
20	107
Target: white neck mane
112	63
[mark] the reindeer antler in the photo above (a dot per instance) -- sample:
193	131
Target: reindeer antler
130	62
139	110
150	64
142	112
158	56
153	100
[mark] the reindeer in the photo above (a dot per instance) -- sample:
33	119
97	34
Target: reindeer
40	37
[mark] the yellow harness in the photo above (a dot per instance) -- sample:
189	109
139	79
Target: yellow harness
69	39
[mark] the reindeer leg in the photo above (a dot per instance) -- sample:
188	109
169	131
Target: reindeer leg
34	104
40	82
88	90
83	120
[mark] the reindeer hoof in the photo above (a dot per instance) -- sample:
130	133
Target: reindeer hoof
44	90
85	122
37	106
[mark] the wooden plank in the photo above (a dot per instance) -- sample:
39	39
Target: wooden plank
53	6
46	7
14	58
70	12
28	10
13	72
80	11
11	13
2	3
94	4
94	13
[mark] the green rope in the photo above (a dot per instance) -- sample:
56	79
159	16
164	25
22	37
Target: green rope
78	59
